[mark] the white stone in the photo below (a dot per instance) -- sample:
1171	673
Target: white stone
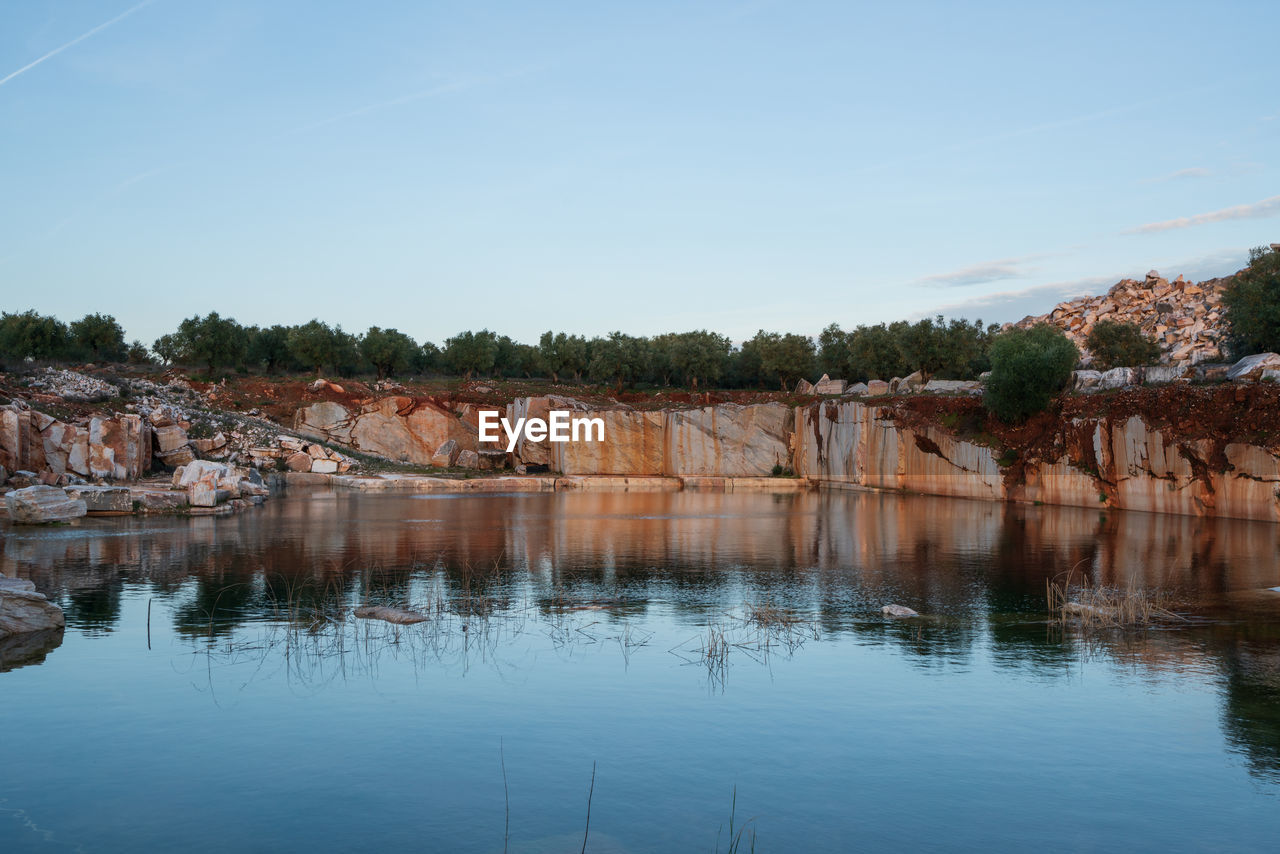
36	505
23	610
1251	367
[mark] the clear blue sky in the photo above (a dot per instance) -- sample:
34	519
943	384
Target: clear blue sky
644	166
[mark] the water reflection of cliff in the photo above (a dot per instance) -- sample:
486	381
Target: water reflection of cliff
979	567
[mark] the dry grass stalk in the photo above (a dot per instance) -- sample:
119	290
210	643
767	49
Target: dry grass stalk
1106	607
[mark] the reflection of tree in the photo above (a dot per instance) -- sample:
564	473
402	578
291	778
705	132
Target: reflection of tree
1251	712
95	610
216	607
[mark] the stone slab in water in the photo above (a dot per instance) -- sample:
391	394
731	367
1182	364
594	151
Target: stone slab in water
37	505
24	610
103	499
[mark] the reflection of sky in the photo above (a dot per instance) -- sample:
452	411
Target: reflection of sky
973	728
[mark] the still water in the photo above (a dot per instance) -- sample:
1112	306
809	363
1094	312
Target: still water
212	691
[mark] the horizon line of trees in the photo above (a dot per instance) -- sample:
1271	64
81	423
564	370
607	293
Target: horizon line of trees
953	349
936	347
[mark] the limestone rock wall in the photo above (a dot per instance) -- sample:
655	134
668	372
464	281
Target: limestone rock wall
1124	464
117	448
858	444
725	440
398	428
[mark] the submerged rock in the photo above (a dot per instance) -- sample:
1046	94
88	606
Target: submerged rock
898	611
398	616
24	610
27	648
38	505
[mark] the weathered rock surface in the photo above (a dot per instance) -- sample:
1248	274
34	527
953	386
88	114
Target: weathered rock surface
850	441
103	499
952	387
1120	463
1253	367
898	611
24	610
38	505
826	385
116	448
726	440
446	455
398	428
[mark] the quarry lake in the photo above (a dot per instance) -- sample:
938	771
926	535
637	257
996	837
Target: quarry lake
710	655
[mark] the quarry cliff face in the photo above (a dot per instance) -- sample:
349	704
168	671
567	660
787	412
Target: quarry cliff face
1093	454
1104	462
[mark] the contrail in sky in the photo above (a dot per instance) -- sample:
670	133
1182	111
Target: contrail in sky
75	41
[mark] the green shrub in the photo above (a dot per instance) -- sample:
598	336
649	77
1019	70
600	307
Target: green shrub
1116	344
1028	367
1252	305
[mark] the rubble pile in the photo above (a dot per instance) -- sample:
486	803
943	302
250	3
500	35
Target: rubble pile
71	385
1184	318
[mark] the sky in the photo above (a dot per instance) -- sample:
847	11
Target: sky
644	167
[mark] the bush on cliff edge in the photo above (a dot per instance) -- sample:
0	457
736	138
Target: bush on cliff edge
1116	344
1252	303
1028	367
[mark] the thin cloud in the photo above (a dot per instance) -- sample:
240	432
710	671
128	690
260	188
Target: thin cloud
988	271
1257	210
1181	174
977	274
75	41
1005	306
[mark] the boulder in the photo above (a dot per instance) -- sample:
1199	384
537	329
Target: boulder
23	610
826	385
206	470
210	446
875	388
23	478
1160	374
202	494
37	505
1120	378
803	386
898	611
468	460
177	457
493	460
953	387
169	438
103	499
446	455
857	388
1250	368
299	461
911	382
1085	380
163	502
324	466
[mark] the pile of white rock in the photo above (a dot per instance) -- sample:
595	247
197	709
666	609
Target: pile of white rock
300	455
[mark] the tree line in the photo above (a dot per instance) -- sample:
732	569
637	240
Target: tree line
955	349
939	348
